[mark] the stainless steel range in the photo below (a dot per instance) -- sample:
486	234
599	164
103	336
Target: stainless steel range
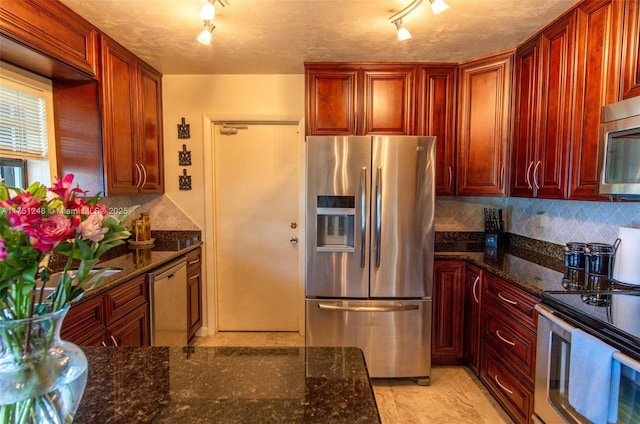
588	357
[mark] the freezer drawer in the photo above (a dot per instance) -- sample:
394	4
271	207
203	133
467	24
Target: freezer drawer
395	335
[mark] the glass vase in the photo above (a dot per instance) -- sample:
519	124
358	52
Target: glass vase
42	377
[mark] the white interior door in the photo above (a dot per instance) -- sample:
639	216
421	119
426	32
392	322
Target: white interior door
256	206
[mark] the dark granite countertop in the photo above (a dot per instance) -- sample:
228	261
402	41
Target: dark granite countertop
132	262
530	270
227	385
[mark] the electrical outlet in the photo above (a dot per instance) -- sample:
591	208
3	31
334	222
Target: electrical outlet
541	220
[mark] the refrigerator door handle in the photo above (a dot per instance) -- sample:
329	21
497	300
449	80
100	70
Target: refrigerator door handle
363	214
390	308
378	214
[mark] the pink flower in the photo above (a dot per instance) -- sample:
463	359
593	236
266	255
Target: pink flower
50	232
92	229
3	250
63	189
23	210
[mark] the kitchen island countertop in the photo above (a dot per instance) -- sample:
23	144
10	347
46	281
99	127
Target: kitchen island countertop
227	385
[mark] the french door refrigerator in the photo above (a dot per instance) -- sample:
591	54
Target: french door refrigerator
369	256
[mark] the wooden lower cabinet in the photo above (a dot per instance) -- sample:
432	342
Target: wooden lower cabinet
508	346
472	302
194	292
119	317
448	313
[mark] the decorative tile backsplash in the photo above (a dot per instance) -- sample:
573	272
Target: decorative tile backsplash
164	214
555	221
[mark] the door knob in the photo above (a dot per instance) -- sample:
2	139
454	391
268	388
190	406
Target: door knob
293	240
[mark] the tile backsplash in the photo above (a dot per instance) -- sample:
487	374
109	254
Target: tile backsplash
560	221
164	213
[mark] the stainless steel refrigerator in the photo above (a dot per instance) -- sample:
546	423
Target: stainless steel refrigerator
369	256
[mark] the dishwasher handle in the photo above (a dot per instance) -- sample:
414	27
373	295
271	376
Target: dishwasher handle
170	271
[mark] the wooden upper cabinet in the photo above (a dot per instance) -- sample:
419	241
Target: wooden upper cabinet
436	116
388	101
48	38
132	123
151	140
599	39
358	99
331	101
542	113
527	94
483	125
631	49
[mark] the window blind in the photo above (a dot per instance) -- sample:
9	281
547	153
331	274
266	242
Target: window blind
23	125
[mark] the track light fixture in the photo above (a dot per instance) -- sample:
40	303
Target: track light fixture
437	6
207	13
207	31
403	33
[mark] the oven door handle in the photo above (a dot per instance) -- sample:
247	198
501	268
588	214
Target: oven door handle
546	313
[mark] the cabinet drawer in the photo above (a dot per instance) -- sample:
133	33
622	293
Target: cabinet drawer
84	323
514	341
505	384
125	298
194	262
512	301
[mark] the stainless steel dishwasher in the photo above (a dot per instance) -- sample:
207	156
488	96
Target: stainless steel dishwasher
168	295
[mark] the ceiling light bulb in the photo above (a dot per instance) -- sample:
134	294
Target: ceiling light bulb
205	35
208	11
403	33
438	6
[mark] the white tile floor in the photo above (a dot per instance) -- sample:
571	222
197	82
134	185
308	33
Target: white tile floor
454	396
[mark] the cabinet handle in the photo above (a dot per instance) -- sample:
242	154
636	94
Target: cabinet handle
193	262
103	343
450	177
495	377
502	175
139	175
512	302
509	342
529	173
535	175
115	342
194	276
473	290
144	182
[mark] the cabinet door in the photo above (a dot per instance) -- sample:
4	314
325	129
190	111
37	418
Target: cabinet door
120	132
389	101
436	116
84	323
132	329
631	65
48	38
194	293
448	313
551	166
472	302
483	126
598	51
150	113
331	101
525	137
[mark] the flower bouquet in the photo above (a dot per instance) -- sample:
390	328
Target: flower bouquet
41	377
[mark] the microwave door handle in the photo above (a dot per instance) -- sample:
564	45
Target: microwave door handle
363	214
378	214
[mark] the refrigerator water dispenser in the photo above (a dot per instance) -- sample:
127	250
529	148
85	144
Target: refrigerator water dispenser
335	223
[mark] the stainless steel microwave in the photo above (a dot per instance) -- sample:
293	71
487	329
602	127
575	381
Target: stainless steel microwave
619	152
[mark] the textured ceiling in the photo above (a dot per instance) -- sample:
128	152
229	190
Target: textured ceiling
278	36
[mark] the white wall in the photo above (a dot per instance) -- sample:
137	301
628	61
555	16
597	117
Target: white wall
195	97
